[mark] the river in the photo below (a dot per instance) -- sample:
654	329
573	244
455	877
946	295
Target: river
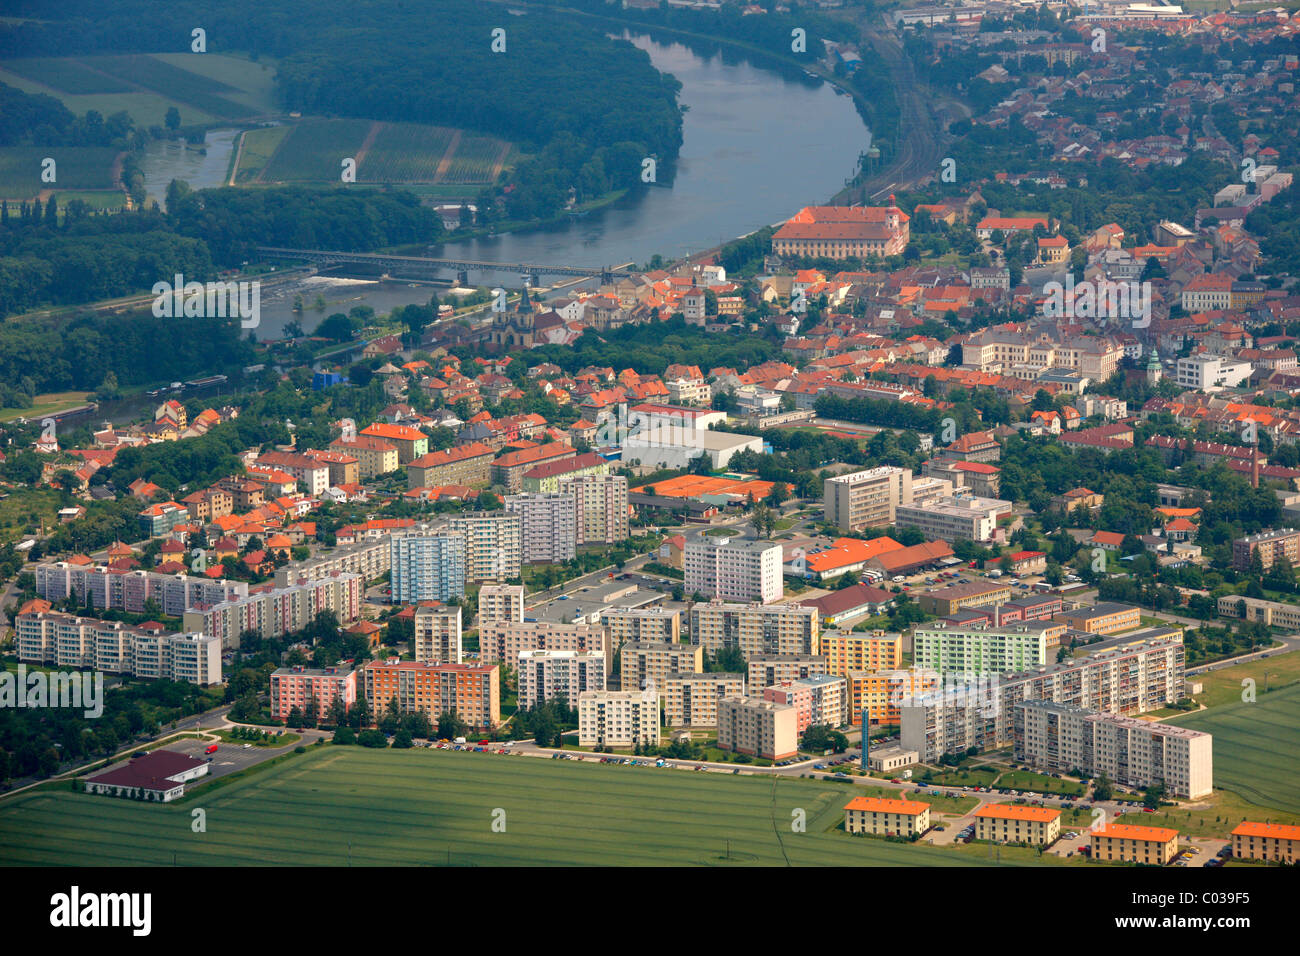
757	146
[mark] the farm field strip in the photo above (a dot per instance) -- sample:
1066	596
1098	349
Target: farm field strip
157	76
66	75
314	151
416	807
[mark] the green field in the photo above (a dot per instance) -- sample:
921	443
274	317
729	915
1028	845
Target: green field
67	76
405	152
259	146
314	151
475	159
419	807
76	167
1256	748
146	72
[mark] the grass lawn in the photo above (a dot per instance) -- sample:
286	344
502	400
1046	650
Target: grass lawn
1040	783
1224	686
24	508
385	807
259	146
973	777
46	404
1256	749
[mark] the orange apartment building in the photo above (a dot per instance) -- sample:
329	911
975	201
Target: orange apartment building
470	691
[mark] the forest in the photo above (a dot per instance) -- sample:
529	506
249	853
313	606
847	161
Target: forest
584	107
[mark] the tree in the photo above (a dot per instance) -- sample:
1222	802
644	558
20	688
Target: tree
450	726
1152	796
544	727
1101	788
172	119
402	739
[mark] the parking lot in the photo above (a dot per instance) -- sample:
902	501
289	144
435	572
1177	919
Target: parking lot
230	757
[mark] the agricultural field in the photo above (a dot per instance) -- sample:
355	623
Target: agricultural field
259	145
405	152
67	76
249	82
147	72
314	151
333	805
476	159
81	167
1256	749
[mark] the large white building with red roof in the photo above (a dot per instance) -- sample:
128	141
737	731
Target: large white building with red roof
844	232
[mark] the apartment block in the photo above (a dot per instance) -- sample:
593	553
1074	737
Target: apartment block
691	700
1269	545
1275	842
470	691
1133	753
500	603
734	569
313	476
655	623
411	443
881	693
1008	823
276	611
861	651
438	634
760	728
960	650
545	675
818	700
1135	679
369	558
493	544
764	670
882	816
469	464
305	687
756	628
650	662
1123	843
866	499
426	566
601	503
550	475
105	588
547	525
374	456
618	718
504	641
66	641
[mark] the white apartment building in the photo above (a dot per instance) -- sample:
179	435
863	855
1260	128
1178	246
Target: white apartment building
426	566
1133	753
100	587
369	558
691	700
493	544
278	611
733	569
756	629
1096	357
438	634
1212	373
545	675
866	499
547	525
1135	679
618	718
502	603
760	728
960	650
602	508
972	518
65	641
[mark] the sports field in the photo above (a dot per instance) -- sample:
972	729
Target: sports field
1256	747
430	807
